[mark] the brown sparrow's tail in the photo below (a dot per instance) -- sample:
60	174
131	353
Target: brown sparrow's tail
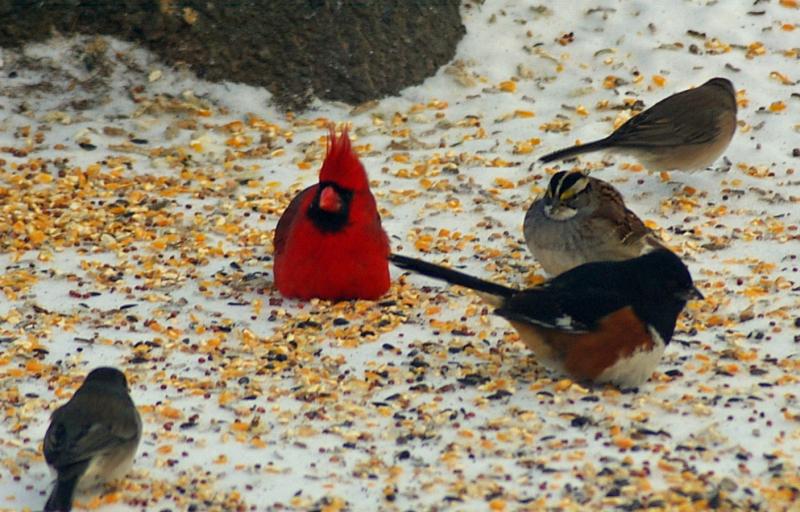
491	292
561	154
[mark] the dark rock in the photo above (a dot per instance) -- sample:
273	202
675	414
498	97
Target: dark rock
352	50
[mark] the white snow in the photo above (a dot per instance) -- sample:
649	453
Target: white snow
346	423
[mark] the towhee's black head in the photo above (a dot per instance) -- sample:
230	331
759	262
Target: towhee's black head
664	285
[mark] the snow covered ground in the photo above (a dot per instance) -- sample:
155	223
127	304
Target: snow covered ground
137	205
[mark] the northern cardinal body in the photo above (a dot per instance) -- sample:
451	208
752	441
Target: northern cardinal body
329	242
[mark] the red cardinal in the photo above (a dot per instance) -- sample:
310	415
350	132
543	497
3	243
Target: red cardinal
329	242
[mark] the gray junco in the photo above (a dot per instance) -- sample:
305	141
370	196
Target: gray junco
582	219
688	130
93	437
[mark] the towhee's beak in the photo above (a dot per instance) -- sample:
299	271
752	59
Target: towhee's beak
692	294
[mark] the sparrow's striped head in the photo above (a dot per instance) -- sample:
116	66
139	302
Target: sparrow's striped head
566	194
565	185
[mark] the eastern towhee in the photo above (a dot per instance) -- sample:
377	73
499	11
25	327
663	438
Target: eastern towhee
599	322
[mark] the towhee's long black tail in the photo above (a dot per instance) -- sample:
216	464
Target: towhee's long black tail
451	276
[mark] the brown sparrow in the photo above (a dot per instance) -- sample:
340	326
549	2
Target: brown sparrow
582	219
688	130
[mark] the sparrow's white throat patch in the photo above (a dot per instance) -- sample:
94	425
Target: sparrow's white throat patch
560	212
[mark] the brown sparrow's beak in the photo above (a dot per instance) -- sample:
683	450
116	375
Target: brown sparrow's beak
552	203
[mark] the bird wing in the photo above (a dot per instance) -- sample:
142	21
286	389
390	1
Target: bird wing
73	437
287	219
632	232
665	124
611	214
564	308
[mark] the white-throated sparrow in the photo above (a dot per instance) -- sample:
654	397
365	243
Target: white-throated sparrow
582	219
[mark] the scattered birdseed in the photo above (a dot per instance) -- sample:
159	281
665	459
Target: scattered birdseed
137	208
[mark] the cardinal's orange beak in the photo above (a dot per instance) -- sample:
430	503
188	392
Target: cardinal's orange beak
329	200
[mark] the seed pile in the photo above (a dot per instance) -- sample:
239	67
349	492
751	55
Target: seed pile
136	211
